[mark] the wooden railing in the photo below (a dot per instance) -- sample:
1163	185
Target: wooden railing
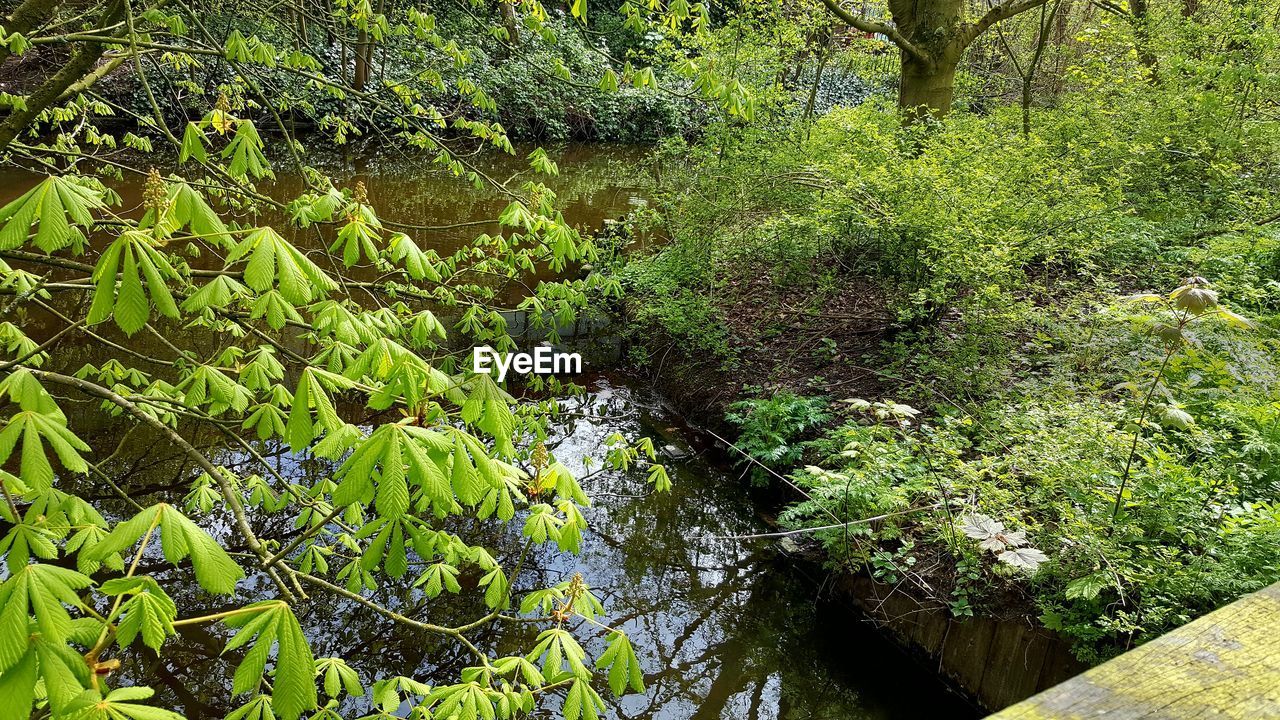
1224	666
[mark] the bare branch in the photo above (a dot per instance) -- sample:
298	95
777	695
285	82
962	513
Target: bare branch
1003	11
872	26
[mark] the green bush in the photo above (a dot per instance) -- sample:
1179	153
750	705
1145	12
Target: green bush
771	430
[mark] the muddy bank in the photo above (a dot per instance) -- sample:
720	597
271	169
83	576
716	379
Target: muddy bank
993	660
779	336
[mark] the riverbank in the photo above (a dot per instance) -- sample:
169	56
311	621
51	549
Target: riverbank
1051	395
850	330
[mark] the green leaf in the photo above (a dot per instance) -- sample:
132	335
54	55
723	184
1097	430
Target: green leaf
64	671
131	257
560	653
273	260
1088	587
35	428
294	687
624	667
542	525
311	395
245	151
339	676
437	578
209	387
18	688
116	706
659	479
216	294
466	482
582	702
358	236
186	207
193	142
148	612
180	538
54	204
418	264
609	81
40	591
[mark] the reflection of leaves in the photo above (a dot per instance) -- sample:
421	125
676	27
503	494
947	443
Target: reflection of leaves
1026	558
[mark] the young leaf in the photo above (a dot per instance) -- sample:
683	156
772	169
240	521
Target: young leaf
35	429
338	676
624	667
54	204
149	611
272	260
180	538
294	688
132	257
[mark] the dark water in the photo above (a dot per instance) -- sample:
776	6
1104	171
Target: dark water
725	629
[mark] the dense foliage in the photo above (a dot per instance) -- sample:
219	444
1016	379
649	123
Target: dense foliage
1011	335
1072	394
251	326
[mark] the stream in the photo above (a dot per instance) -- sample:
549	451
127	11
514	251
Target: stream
725	628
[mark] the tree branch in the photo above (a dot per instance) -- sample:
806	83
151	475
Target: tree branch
76	68
872	26
1003	11
25	18
228	494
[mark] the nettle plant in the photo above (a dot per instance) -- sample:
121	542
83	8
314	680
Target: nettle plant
342	350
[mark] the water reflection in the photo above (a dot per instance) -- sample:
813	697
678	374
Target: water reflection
726	630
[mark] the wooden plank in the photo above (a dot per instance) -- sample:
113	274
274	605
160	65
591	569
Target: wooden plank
1224	665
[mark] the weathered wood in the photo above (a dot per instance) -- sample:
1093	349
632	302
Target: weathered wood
1224	665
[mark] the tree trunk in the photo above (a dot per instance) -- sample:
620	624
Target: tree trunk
80	65
927	88
1138	13
509	22
363	51
931	36
928	76
25	17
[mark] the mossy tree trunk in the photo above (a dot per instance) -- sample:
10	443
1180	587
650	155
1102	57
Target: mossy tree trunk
926	88
932	36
